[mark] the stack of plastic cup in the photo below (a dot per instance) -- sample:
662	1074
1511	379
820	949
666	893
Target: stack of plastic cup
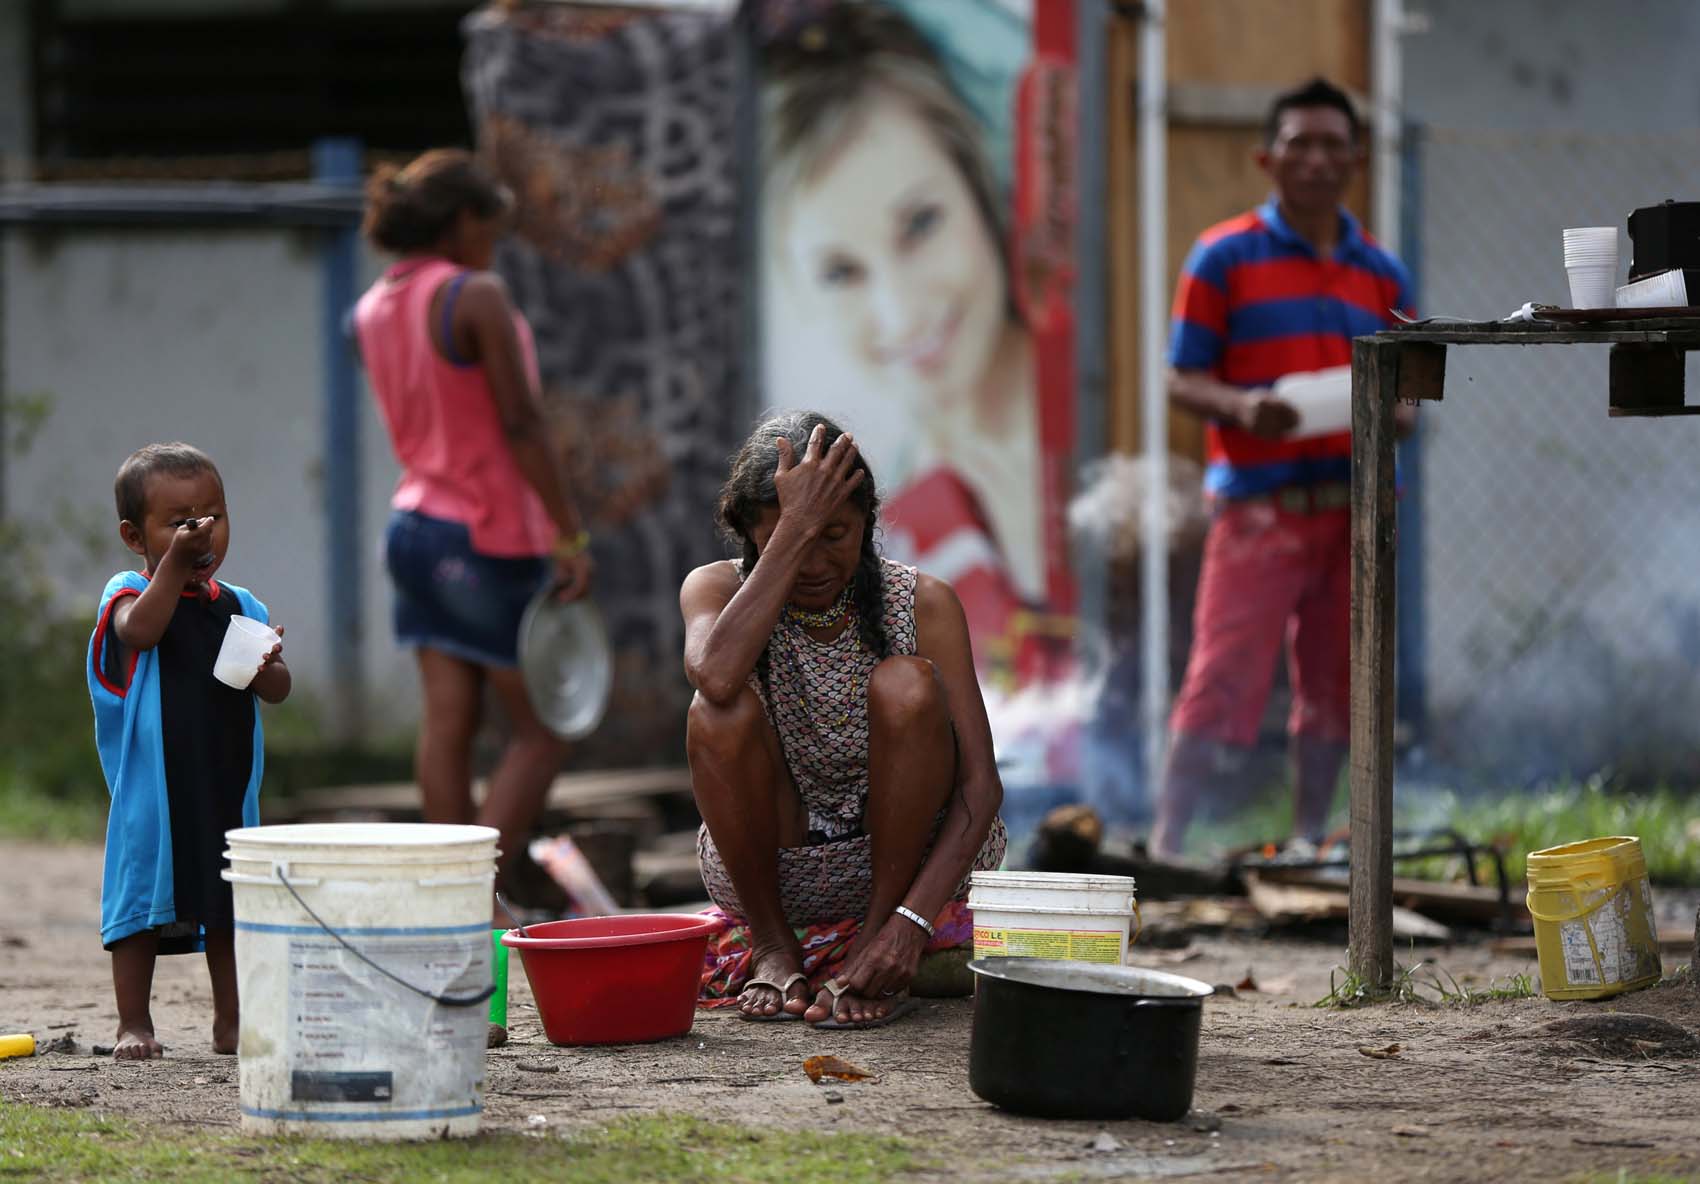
1667	289
1590	260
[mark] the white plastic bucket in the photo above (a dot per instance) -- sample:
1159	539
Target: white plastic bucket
331	1044
1080	918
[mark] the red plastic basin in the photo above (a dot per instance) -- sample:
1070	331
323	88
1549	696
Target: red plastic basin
614	980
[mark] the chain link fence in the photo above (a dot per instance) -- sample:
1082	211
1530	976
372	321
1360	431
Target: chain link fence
1550	554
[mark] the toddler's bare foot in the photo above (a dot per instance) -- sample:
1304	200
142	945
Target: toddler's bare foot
136	1044
225	1035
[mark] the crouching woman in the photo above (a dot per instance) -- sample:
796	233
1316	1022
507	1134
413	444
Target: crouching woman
839	749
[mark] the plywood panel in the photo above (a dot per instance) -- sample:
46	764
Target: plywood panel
1269	42
1213	170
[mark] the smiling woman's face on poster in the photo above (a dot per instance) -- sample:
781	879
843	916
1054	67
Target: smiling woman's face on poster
886	246
888	301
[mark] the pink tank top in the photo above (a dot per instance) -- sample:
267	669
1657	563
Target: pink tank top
442	419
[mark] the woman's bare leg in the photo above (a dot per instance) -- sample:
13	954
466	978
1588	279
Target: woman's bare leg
442	756
911	772
751	807
520	782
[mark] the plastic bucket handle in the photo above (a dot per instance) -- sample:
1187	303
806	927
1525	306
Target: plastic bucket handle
444	1000
1558	918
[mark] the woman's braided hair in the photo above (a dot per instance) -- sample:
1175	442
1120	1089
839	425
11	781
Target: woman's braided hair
749	489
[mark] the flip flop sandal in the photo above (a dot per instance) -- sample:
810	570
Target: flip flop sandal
901	1005
784	990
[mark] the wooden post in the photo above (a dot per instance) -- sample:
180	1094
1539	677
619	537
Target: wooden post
1375	379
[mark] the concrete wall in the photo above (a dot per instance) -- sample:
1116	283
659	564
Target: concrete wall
208	336
1563	619
1565	65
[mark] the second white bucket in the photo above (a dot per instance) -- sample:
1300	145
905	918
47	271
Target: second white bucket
363	973
1077	917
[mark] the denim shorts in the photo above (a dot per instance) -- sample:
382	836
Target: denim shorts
448	597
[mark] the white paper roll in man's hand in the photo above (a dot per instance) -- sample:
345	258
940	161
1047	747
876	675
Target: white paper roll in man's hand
1323	399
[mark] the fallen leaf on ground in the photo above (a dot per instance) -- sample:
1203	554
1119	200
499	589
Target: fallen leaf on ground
1247	983
818	1067
1410	1131
1392	1050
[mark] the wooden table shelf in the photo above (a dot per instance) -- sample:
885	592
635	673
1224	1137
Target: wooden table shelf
1408	363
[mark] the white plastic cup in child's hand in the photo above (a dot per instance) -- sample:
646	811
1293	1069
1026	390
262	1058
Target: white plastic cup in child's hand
246	644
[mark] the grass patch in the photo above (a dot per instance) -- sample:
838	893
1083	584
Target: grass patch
1422	983
38	1144
1661	817
1590	809
27	813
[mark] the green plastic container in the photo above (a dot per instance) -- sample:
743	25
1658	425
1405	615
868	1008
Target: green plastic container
499	967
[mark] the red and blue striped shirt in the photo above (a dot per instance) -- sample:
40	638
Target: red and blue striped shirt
1255	302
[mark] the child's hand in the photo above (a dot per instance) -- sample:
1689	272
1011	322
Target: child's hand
272	683
275	654
191	543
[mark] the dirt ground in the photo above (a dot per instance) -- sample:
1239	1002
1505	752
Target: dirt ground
1486	1092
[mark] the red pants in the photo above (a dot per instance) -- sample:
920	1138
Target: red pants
1269	575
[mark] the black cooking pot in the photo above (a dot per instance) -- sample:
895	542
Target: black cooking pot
1080	1040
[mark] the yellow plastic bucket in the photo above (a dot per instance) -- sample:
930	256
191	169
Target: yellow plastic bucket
1593	911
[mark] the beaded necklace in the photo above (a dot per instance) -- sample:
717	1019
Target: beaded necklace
820	618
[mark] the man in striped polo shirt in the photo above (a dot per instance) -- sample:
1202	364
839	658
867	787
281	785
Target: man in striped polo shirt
1277	290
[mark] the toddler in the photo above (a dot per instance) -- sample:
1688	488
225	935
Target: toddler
182	752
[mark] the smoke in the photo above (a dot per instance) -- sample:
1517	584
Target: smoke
1078	739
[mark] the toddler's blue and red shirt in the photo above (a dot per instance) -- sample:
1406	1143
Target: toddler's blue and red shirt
1256	302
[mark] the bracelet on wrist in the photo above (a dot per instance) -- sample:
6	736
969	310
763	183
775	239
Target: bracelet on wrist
570	546
910	914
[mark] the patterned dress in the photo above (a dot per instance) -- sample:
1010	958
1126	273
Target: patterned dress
817	701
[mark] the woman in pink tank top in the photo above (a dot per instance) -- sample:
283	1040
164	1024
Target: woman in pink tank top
482	516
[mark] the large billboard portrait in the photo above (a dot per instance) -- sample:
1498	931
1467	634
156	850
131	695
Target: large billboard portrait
916	261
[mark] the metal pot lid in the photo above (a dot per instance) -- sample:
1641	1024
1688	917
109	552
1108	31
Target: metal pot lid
567	664
1092	977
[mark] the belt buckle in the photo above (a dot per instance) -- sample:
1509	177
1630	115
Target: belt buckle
1295	499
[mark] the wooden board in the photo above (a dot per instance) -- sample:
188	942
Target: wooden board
1270	43
1474	903
576	793
1683	331
1282	904
1595	315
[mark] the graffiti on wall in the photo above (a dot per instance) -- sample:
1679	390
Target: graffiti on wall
615	131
